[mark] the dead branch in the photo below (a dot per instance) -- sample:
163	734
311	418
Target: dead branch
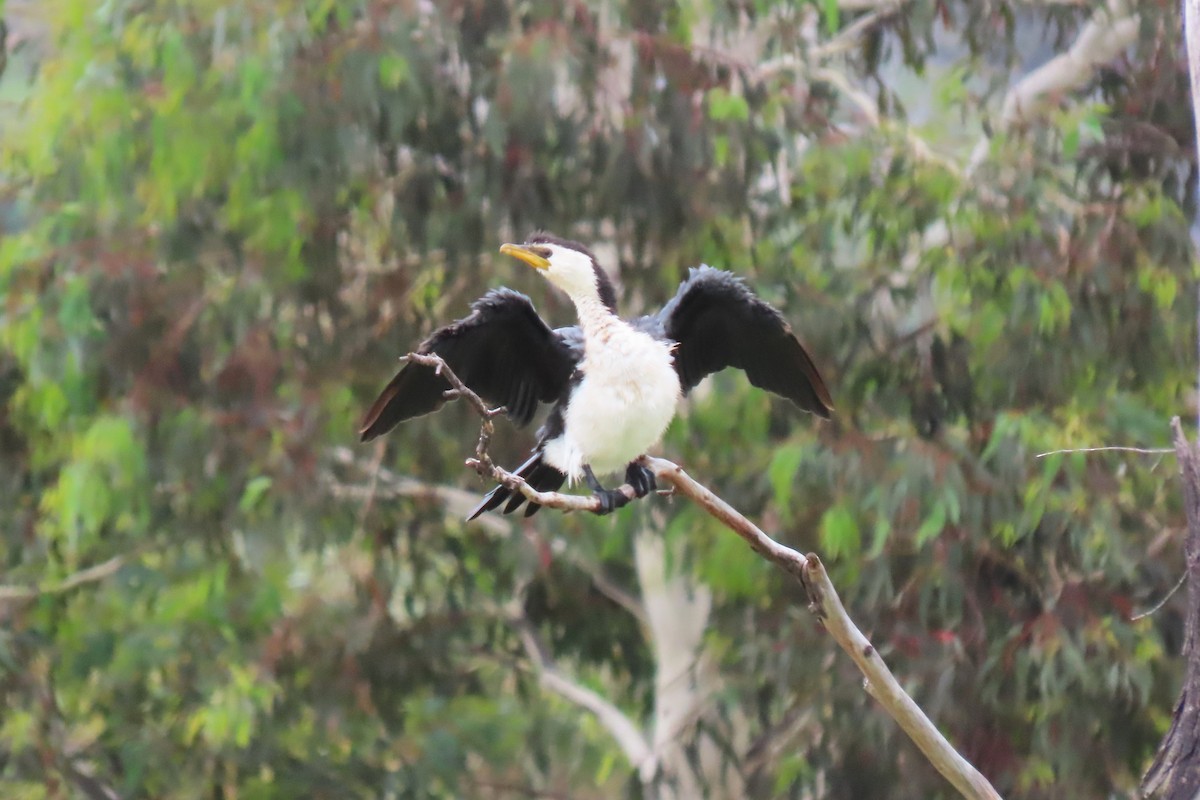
827	607
482	462
1175	773
823	602
1148	451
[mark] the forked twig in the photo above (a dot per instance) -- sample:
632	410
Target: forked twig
482	462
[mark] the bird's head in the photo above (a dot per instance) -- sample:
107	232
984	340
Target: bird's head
568	265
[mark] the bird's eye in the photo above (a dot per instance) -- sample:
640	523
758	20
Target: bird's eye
544	252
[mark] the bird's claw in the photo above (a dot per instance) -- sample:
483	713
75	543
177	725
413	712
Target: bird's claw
641	478
610	500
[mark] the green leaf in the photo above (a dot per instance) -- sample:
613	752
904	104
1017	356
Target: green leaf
791	769
832	15
840	534
1070	143
393	70
784	466
932	525
253	493
883	529
724	106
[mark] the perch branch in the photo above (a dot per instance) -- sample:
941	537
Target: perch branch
827	607
824	603
483	464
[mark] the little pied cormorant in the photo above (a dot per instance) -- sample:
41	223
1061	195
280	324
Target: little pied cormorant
614	383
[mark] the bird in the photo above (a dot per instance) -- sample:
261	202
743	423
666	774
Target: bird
613	385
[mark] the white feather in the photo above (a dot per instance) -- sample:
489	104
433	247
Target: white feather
624	402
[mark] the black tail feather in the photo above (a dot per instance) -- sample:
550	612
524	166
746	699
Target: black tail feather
540	476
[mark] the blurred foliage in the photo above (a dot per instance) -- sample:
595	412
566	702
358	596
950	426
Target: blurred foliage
221	222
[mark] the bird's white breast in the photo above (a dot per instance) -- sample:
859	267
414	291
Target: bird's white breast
623	404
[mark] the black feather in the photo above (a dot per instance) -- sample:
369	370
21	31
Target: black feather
503	351
542	477
509	356
718	323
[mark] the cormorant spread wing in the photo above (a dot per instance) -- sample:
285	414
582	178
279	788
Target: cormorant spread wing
718	323
502	350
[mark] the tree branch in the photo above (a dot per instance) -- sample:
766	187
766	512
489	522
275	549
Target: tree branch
1175	773
389	483
823	602
92	574
827	607
1110	30
610	589
482	462
624	731
848	37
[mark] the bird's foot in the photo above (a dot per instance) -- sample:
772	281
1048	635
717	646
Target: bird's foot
641	478
610	499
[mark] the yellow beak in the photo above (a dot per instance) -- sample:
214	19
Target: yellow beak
525	254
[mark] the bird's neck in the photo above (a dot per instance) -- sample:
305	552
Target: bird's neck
594	316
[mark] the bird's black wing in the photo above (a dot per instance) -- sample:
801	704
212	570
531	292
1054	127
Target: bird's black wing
503	351
720	323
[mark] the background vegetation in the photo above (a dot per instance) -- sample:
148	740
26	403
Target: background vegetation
221	222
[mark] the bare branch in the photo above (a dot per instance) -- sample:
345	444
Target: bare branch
388	483
1103	38
1111	29
1175	773
884	687
824	603
1142	450
482	462
827	607
626	733
92	574
784	557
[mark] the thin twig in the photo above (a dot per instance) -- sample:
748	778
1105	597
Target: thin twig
1154	610
1143	450
388	483
610	589
483	464
92	574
